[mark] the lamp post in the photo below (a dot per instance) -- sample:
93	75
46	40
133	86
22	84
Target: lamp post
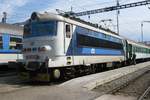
117	16
142	33
4	17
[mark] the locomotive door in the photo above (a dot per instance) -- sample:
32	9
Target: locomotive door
69	42
125	47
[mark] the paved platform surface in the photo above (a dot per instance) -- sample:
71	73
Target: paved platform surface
75	89
118	97
91	81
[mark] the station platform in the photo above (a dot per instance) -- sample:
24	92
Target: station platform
89	82
76	89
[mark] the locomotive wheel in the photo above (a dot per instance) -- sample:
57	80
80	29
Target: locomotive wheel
56	74
69	73
93	69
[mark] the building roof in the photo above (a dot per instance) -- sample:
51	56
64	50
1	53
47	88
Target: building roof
11	29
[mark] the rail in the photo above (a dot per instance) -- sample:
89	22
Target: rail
115	89
144	94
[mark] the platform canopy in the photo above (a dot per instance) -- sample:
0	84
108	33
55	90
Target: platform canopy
11	29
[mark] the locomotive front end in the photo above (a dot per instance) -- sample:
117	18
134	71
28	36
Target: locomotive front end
38	47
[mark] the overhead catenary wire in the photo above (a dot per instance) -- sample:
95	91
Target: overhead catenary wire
107	9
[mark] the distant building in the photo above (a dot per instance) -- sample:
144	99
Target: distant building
147	43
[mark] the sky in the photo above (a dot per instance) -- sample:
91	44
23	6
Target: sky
129	19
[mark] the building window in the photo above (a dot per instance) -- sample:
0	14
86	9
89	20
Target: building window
68	30
15	43
1	42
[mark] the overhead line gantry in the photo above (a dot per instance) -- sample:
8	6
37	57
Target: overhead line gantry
107	9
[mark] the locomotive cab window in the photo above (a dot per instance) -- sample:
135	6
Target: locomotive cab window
1	42
27	29
68	30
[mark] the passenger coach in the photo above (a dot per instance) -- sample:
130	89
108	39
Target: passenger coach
10	43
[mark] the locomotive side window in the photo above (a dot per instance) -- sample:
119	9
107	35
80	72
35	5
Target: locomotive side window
68	30
1	42
15	43
83	40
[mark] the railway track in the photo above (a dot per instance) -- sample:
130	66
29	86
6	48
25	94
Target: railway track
9	84
122	88
145	94
118	88
5	71
8	74
132	85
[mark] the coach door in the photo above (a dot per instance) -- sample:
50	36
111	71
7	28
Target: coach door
130	51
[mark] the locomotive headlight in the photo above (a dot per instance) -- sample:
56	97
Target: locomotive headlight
45	48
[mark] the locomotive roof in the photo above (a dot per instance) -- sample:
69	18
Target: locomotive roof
52	16
11	29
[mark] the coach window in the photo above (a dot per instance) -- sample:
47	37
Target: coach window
1	42
68	30
15	43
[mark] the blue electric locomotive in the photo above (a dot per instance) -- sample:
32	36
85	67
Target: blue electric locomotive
56	47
